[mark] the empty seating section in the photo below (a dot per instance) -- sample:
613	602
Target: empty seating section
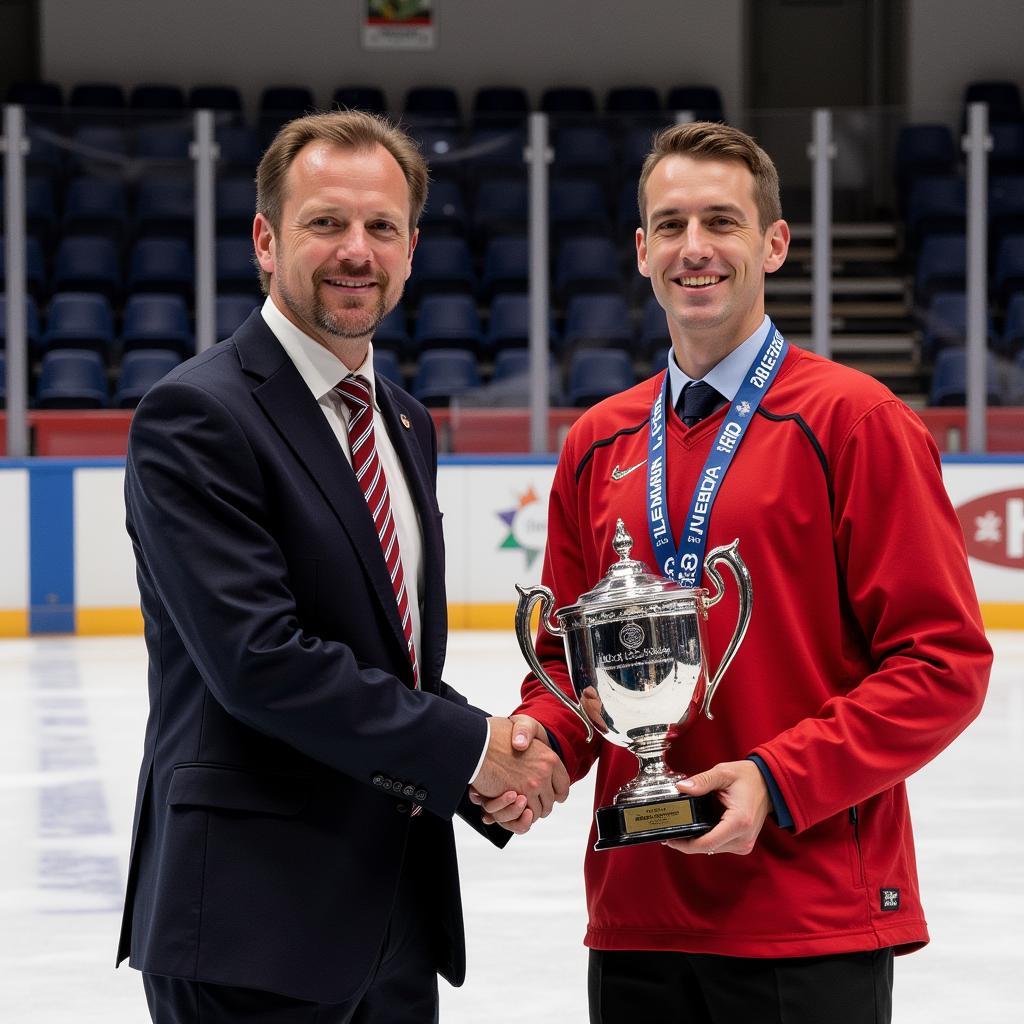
110	212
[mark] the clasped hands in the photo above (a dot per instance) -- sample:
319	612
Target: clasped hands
521	778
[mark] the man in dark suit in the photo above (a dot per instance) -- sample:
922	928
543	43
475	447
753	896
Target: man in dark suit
280	499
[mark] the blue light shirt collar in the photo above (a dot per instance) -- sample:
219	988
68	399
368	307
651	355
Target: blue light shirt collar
728	375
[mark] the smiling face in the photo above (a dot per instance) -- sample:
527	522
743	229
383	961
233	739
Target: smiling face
706	255
339	260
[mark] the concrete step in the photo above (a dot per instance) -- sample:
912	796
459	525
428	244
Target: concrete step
849	232
890	285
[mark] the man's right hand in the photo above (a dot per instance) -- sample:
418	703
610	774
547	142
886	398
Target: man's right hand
535	771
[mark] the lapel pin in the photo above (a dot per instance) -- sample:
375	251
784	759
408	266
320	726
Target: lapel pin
405	421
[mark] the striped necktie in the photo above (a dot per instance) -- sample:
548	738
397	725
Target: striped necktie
355	391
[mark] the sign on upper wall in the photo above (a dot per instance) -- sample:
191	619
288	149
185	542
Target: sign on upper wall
399	25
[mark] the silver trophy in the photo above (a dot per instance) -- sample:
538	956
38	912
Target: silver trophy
640	641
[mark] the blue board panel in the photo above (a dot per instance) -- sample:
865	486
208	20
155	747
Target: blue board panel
51	548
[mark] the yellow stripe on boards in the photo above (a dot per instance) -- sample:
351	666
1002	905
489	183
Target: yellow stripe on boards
1002	614
108	621
13	623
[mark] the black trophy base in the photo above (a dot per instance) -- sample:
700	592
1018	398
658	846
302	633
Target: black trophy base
685	817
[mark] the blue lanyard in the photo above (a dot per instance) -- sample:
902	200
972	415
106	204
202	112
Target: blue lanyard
685	564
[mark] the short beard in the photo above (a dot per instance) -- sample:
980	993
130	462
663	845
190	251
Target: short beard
316	314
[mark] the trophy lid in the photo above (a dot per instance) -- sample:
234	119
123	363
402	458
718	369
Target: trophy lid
629	580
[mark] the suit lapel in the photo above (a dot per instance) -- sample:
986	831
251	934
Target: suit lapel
287	403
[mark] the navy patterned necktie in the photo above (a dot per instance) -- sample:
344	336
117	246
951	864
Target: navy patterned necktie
699	399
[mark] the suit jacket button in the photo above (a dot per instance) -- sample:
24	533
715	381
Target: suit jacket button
421	795
409	791
402	808
378	779
385	784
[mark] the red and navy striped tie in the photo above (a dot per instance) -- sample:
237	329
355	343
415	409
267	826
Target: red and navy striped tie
370	473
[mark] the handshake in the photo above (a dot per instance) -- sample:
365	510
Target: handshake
521	778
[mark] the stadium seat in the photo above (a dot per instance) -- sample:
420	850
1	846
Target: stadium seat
235	266
1005	208
584	151
441	265
392	333
1012	339
40	98
40	207
165	207
385	364
72	379
508	326
506	266
240	148
235	205
705	102
586	265
502	208
360	97
435	105
95	206
945	324
1007	153
140	370
35	266
1003	99
444	374
510	383
941	266
577	207
157	322
282	103
225	99
447	321
157	99
496	153
161	265
593	321
500	107
165	144
87	263
32	326
231	311
949	379
569	103
636	144
1009	267
98	150
597	373
79	320
442	149
936	204
633	100
445	212
655	339
96	100
924	150
44	158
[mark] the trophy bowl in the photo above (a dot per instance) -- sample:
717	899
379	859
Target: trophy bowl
640	641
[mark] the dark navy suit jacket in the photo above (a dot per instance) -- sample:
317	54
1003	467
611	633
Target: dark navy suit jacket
285	746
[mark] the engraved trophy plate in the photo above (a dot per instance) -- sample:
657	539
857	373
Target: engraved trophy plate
640	641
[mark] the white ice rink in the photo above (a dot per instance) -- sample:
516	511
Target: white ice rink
72	712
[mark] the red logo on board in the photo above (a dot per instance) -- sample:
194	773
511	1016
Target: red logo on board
993	527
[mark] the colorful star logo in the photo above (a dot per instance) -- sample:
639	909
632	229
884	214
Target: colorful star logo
527	526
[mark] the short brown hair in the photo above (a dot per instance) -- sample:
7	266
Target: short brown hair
350	129
709	140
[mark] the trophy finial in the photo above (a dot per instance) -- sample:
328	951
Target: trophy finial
622	543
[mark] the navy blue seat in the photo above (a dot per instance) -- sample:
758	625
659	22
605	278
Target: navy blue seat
500	106
510	382
392	333
280	104
502	207
642	100
79	320
240	148
436	105
157	98
1003	99
594	321
514	363
225	99
945	323
595	374
40	206
636	144
161	265
1009	266
949	379
1005	207
235	267
140	370
587	265
655	339
577	207
157	321
385	364
230	312
87	263
705	101
165	143
361	97
936	204
32	326
445	212
508	326
442	149
235	204
1007	153
1012	339
443	374
44	158
506	266
922	150
72	379
35	266
584	151
941	266
46	98
441	265
96	100
95	206
496	153
98	150
447	321
569	102
165	207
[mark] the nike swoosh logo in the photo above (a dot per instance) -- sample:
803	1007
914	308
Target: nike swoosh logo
618	474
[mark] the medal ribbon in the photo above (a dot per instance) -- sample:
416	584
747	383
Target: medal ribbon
685	563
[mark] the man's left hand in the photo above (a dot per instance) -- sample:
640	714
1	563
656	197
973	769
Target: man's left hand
741	788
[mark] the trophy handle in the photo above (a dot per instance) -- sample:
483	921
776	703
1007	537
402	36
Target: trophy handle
729	554
527	599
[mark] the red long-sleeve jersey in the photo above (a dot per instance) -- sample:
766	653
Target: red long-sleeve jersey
864	658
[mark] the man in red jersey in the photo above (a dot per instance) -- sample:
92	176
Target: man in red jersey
864	658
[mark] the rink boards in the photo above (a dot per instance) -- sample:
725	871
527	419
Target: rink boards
66	563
